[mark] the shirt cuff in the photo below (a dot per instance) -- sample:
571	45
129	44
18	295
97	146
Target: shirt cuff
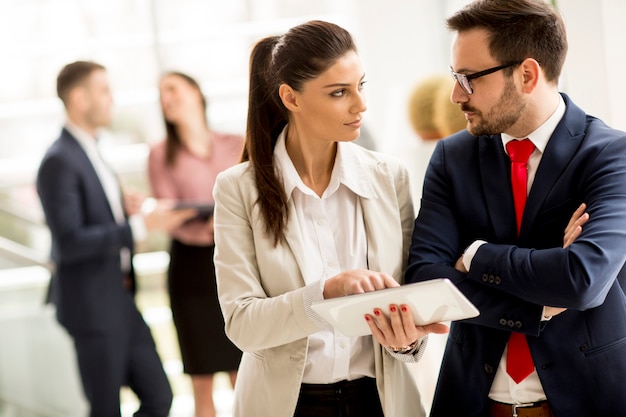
138	227
470	252
314	293
411	356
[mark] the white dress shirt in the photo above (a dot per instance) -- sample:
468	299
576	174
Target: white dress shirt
504	389
333	232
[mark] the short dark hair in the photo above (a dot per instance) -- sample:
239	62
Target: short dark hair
519	29
73	75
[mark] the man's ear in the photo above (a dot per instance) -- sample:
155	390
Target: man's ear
289	97
77	98
531	71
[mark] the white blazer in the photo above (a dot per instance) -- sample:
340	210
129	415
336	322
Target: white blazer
260	286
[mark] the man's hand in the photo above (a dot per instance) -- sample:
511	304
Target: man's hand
573	229
460	266
160	215
552	311
133	200
575	226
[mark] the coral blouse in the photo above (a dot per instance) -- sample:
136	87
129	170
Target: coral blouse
191	179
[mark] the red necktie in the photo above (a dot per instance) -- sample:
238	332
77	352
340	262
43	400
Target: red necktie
519	362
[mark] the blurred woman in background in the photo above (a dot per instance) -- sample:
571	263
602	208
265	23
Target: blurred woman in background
183	167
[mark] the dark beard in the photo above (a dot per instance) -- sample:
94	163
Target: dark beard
502	116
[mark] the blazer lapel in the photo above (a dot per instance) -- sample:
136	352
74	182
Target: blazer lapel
494	166
293	239
382	234
92	181
375	234
559	151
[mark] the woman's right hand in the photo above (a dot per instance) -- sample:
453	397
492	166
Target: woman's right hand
357	281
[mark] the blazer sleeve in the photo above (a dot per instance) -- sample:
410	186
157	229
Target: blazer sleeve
80	232
262	304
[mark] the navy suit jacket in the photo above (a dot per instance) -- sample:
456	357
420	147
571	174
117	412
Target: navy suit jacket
86	241
580	355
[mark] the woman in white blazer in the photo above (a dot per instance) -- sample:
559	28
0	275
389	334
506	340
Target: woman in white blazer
310	216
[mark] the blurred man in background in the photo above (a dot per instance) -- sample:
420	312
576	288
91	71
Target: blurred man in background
94	228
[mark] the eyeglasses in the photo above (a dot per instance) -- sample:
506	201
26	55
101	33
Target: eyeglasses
464	80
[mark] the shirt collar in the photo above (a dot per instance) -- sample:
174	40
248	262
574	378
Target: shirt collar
86	141
542	134
346	170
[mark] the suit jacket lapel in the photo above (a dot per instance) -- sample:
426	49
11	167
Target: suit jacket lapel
92	181
557	155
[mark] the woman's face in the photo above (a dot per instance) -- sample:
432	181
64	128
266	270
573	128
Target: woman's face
179	99
330	107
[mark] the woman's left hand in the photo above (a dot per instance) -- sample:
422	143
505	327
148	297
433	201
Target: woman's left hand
397	328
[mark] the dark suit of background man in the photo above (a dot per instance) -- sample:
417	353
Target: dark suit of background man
569	302
92	245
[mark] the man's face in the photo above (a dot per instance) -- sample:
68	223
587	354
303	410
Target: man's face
495	106
97	102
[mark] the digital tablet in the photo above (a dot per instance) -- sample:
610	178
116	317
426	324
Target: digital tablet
205	210
430	301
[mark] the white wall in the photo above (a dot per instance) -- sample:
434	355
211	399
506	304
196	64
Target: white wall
406	40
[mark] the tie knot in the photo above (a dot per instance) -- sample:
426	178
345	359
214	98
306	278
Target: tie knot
520	150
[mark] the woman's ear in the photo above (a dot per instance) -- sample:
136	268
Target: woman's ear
289	97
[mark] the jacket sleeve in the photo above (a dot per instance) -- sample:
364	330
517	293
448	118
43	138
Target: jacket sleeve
65	198
263	305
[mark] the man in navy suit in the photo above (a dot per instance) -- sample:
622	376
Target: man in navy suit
93	232
566	302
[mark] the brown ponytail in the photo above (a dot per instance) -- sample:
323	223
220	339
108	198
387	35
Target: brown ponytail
301	54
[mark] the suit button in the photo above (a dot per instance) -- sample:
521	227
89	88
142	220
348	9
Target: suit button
488	369
518	324
498	280
510	323
584	347
502	322
485	277
491	279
